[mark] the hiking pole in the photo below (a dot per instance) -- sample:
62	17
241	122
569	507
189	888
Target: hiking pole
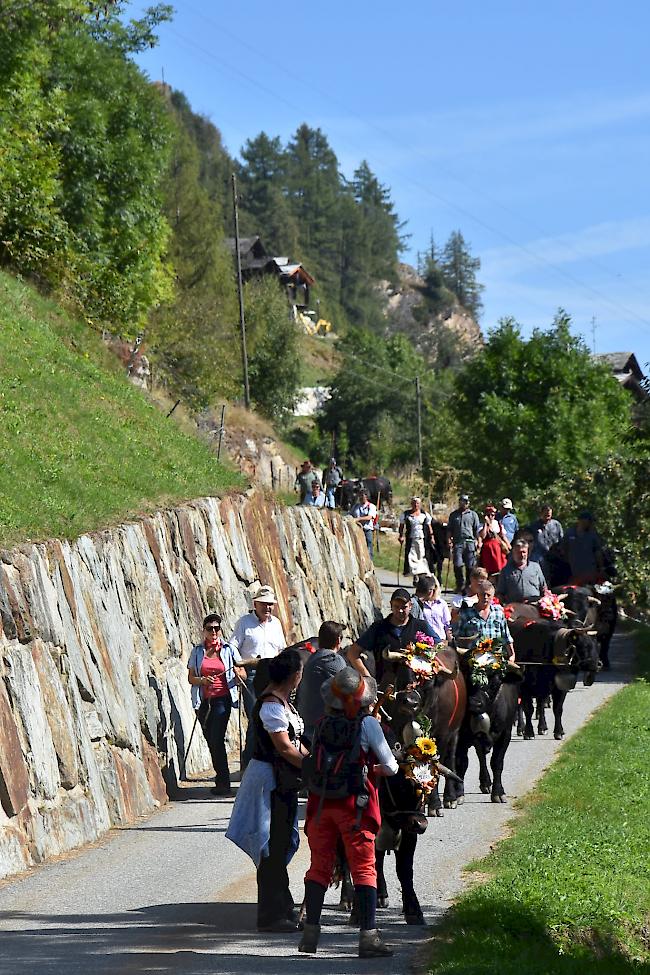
241	701
189	745
377	521
447	575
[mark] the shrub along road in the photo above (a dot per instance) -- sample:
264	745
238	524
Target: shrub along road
172	895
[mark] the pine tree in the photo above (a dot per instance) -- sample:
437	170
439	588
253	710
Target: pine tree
265	209
459	273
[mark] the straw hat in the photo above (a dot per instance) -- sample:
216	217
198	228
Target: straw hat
265	595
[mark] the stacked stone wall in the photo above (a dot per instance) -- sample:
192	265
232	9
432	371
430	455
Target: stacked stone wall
95	710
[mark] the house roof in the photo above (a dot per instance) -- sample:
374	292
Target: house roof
621	362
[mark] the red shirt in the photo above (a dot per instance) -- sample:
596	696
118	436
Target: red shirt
214	667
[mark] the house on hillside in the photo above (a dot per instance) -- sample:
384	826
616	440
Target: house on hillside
255	262
627	371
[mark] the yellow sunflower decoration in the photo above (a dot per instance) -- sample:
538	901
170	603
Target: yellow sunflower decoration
426	746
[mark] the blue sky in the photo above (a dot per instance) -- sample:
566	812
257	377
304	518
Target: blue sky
524	125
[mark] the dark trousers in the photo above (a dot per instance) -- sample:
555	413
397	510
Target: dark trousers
213	718
274	900
249	697
464	554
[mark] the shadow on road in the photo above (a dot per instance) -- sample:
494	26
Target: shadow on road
193	939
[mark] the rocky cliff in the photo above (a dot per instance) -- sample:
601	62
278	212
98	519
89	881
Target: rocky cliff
454	324
95	711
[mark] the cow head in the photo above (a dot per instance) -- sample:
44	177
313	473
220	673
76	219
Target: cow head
578	646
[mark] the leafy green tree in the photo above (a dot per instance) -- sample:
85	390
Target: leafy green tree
459	270
533	411
373	399
273	348
193	339
83	148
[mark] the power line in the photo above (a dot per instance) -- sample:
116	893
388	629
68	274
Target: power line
460	209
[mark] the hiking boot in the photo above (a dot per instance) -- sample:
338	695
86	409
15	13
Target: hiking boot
371	945
309	940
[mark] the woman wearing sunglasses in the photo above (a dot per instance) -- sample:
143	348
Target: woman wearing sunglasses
213	672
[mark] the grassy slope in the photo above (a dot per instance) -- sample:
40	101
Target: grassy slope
570	891
82	448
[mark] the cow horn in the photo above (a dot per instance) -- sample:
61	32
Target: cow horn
591	632
594	599
569	612
393	655
447	773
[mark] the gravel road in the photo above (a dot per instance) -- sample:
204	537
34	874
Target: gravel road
172	895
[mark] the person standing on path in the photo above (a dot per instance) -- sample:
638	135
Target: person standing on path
508	519
320	666
464	527
333	478
264	821
257	636
354	818
213	672
419	552
583	548
368	654
547	532
315	497
304	479
364	513
520	581
428	605
494	543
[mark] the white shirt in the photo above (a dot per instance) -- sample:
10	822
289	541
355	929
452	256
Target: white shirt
275	717
256	639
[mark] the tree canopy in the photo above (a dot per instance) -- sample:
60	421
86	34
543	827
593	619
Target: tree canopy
530	412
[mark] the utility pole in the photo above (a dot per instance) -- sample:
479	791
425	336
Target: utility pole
593	334
418	396
242	320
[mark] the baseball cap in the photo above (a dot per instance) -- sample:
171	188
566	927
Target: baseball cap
464	497
506	503
401	593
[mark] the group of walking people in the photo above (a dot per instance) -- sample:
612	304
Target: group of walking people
497	542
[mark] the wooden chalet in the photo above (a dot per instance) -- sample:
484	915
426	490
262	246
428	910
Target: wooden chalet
255	262
626	369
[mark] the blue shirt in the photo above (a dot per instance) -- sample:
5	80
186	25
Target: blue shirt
230	657
510	525
315	502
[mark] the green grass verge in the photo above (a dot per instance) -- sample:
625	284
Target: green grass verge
388	555
569	892
82	447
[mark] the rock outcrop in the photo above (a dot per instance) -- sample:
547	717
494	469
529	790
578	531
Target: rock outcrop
95	711
455	323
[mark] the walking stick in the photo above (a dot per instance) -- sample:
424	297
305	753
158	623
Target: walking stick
189	745
399	558
241	701
447	575
377	522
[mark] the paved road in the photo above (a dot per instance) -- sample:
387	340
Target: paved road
172	895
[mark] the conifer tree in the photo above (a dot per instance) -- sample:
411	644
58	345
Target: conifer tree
459	272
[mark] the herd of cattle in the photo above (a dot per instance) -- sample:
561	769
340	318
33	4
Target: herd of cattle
553	654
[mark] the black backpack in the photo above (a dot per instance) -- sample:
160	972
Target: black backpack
332	769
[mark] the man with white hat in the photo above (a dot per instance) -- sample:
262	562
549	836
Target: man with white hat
508	519
353	817
258	635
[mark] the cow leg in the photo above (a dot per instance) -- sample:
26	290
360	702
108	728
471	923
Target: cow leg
382	889
346	902
542	727
462	761
434	805
528	707
520	720
404	857
448	756
485	781
498	757
558	697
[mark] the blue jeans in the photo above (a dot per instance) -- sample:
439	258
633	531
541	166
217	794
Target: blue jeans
329	497
369	542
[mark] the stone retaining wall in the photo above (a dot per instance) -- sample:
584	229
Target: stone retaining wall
95	709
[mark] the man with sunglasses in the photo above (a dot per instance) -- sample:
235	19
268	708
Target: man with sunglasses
213	672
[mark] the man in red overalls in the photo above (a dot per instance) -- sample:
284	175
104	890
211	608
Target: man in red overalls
353	818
